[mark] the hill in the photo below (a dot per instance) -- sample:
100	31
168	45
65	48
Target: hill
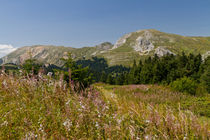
136	45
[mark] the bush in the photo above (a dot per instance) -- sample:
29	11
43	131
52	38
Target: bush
205	79
31	66
184	84
77	73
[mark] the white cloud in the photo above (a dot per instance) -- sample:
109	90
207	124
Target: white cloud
6	49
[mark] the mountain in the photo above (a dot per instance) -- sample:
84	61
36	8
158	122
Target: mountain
144	43
52	54
136	45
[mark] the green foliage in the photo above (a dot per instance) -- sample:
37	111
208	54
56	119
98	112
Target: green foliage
31	66
205	77
110	79
103	77
77	73
184	85
100	69
165	70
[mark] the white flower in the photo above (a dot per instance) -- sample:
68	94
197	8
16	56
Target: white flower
146	137
82	106
147	121
41	128
67	123
97	125
4	83
49	74
119	121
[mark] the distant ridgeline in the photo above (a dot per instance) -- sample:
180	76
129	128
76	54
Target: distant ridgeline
137	46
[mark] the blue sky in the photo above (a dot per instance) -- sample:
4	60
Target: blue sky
79	23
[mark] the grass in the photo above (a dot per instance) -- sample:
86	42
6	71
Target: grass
159	95
44	108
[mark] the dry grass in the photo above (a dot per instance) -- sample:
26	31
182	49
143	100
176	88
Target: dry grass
44	108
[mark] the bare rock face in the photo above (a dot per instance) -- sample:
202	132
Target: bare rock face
102	48
161	51
121	41
15	60
143	43
38	52
204	56
34	52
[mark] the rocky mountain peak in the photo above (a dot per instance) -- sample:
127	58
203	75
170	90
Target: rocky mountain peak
121	41
104	46
143	43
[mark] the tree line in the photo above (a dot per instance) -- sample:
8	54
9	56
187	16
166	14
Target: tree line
165	70
185	73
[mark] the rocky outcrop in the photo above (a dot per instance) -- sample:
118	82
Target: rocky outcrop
121	41
161	51
204	56
102	48
143	43
46	54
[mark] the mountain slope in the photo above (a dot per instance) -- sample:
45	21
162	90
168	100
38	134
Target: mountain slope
136	45
52	54
144	43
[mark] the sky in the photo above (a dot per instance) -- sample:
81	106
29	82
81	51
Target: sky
79	23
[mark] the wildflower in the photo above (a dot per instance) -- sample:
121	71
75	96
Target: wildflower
112	95
41	128
4	83
67	123
146	137
49	74
119	121
137	138
185	138
97	125
147	121
30	135
82	106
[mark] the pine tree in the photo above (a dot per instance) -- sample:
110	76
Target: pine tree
76	73
205	78
110	79
31	66
157	75
103	77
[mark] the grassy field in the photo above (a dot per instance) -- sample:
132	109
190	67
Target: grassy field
44	108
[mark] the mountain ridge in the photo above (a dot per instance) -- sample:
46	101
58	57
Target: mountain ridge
135	45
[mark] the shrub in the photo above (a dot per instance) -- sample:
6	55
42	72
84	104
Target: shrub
184	84
77	73
205	79
31	66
